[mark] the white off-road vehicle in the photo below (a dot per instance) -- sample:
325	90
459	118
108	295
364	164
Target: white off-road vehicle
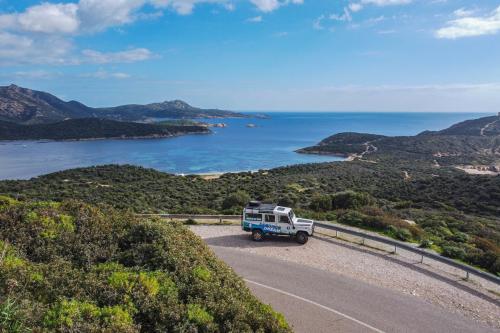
262	219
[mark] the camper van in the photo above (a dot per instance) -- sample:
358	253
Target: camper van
268	219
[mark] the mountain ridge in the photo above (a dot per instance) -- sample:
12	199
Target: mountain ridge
26	106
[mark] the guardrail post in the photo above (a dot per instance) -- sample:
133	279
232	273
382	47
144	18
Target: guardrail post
395	249
362	241
421	258
336	234
467	276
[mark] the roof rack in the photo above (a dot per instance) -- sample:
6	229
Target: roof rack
261	207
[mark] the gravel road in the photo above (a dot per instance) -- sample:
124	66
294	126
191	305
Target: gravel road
430	282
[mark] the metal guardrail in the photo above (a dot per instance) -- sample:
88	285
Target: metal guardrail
397	244
192	216
423	253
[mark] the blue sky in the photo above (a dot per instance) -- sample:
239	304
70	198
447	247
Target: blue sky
351	55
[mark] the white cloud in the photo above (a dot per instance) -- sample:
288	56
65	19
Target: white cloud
98	15
382	3
355	7
462	12
345	16
19	49
103	75
133	55
38	74
255	19
480	97
470	26
45	33
45	18
267	6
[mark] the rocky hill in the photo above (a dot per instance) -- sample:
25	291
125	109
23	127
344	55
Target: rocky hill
26	106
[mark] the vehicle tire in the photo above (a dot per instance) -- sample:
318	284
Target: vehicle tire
302	237
257	235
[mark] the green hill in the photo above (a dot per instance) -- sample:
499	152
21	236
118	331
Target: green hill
473	142
445	203
91	128
72	267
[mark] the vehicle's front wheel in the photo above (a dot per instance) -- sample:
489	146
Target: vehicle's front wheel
302	237
257	235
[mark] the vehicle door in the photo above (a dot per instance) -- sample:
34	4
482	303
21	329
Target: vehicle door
285	224
270	224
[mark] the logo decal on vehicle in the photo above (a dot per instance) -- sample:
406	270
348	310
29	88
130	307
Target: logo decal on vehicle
271	228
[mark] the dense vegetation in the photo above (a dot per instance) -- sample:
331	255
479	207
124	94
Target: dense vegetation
73	267
444	203
88	128
396	180
473	142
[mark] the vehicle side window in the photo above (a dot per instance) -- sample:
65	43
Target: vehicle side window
284	219
253	217
270	218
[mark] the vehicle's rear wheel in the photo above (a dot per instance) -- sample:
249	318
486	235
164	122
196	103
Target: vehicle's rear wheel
302	237
257	235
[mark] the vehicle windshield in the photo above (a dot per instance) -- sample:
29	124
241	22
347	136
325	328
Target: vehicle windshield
291	215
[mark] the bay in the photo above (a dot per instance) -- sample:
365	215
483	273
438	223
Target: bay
271	143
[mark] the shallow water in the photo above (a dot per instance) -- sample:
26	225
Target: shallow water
235	148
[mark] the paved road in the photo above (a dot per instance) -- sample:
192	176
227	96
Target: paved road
318	301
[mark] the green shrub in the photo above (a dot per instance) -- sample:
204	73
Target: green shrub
403	234
198	315
321	203
190	222
350	200
238	199
454	252
426	243
115	272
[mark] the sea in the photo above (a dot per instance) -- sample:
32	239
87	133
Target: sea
265	144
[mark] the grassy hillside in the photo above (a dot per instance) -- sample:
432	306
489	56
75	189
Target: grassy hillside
89	128
73	267
455	213
474	142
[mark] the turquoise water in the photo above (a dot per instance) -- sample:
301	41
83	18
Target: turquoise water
235	148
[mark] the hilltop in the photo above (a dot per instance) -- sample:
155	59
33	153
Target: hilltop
26	106
474	143
94	128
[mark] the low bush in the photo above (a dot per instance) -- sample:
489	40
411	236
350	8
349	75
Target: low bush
72	267
453	251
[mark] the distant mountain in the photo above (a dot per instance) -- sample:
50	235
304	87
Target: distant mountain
26	106
485	126
93	128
